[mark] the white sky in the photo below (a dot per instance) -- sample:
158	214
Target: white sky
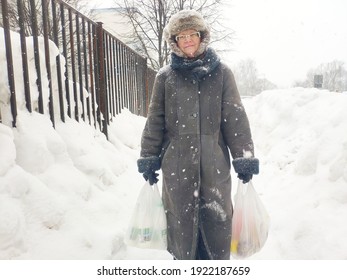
287	38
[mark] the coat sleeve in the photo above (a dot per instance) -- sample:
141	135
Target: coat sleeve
153	133
235	125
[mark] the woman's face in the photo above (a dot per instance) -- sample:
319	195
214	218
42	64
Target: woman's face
188	41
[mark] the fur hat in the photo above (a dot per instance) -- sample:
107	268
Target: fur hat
183	20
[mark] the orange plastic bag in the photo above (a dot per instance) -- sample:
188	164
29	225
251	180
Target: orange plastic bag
250	222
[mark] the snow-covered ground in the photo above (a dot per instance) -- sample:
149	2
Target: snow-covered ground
68	193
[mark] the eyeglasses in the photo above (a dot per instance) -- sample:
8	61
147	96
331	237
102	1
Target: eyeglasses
188	36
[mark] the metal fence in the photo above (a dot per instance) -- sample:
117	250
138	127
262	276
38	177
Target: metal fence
90	75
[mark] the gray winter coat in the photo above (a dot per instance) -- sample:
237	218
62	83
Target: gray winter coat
195	118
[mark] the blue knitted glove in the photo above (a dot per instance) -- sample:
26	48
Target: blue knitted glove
245	168
148	166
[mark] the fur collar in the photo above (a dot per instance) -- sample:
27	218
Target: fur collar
198	67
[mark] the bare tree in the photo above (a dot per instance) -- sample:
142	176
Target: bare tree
149	17
334	76
248	81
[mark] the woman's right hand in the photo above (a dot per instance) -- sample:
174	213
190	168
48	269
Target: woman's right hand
148	166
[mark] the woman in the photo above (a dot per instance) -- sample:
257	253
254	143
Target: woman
195	118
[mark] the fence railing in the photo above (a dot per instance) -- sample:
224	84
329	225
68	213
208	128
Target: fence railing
88	73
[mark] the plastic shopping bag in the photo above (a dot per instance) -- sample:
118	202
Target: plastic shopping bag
250	222
147	228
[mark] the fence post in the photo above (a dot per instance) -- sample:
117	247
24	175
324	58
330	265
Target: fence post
73	63
24	55
35	34
102	79
58	61
10	71
45	24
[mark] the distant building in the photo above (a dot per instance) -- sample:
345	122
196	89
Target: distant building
113	21
318	81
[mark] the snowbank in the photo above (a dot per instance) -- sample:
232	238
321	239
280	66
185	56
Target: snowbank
301	140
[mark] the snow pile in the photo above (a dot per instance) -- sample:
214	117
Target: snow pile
62	192
301	140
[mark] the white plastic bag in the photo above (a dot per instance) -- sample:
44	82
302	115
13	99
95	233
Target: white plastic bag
148	228
250	222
